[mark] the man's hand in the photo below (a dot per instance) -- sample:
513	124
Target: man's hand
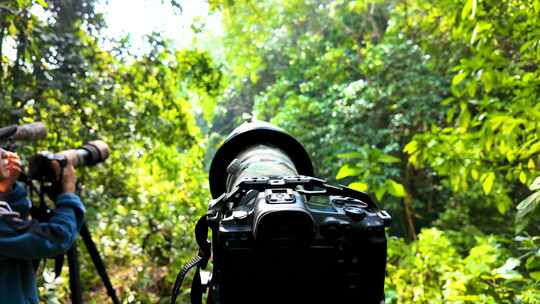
11	164
68	176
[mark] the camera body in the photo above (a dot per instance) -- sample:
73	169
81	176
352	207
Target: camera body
280	235
291	239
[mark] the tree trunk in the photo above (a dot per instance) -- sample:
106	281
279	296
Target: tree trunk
408	211
409	217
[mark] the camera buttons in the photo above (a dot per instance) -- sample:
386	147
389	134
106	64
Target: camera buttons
355	213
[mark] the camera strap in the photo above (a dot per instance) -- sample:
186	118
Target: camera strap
199	261
42	213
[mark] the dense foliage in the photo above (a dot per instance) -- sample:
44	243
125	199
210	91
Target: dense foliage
430	106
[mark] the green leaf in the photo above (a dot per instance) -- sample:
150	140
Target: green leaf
122	210
535	275
535	185
388	159
464	117
346	171
474	174
469	9
473	35
411	147
458	78
360	186
531	164
507	271
533	262
43	3
466	9
379	193
528	205
533	149
12	30
503	203
487	80
522	177
395	189
487	182
450	114
350	155
473	9
471	88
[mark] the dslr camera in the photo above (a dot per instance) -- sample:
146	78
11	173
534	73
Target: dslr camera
280	235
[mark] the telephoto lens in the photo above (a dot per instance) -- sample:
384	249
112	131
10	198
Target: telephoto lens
28	132
32	131
89	154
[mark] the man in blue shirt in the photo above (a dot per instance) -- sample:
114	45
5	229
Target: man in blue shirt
23	240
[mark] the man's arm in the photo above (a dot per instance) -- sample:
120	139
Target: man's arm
23	239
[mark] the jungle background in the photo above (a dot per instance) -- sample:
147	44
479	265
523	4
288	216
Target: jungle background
432	107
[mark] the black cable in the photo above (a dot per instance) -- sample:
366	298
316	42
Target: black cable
181	275
201	260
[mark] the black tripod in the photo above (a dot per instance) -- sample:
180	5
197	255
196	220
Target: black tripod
74	268
43	213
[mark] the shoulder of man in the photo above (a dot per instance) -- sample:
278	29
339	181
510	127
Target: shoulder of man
10	221
11	224
5	210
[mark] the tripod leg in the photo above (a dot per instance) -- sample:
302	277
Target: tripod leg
74	275
98	262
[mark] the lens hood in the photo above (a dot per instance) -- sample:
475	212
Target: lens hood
255	133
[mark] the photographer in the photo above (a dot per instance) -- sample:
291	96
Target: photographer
23	240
